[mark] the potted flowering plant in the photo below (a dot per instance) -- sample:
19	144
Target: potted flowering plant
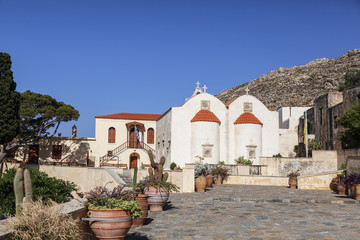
341	185
293	179
201	171
155	185
111	211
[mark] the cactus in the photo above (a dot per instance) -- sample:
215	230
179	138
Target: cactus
135	178
156	172
21	181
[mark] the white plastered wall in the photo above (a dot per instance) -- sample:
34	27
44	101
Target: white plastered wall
163	139
121	135
246	135
203	135
270	129
288	124
181	128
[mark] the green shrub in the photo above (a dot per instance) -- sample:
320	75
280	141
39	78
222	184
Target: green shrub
221	162
277	155
241	160
172	165
44	187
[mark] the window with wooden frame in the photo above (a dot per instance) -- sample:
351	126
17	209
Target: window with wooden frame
56	151
112	132
150	136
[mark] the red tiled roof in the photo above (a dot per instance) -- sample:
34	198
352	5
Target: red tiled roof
247	117
132	116
205	116
230	102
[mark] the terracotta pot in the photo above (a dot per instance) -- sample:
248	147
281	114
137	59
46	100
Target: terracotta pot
218	180
200	184
357	191
116	229
209	181
333	184
157	197
341	188
352	190
142	200
292	182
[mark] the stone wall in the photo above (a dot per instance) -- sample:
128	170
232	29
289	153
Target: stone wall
322	161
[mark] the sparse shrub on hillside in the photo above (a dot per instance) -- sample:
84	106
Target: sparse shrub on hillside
352	78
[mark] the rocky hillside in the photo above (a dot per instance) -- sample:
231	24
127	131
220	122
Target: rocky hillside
299	85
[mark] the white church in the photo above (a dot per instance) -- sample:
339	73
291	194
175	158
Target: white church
203	127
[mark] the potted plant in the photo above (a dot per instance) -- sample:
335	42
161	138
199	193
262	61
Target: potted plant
242	161
111	211
341	186
141	198
352	181
201	171
155	185
293	179
220	174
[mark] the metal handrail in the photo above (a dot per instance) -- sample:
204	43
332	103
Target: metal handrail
122	147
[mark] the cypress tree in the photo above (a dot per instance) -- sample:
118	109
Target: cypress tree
9	102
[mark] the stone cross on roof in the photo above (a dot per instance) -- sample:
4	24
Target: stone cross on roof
247	90
198	84
205	87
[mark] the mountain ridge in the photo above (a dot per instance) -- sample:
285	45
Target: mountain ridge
297	86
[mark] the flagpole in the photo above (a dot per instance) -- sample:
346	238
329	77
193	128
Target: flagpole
306	135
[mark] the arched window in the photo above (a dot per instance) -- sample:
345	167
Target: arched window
111	135
150	136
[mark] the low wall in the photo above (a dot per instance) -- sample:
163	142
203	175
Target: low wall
184	179
317	181
353	164
257	180
85	178
344	154
321	161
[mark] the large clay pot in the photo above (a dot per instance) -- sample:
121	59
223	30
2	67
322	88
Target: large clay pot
209	181
357	191
352	190
200	184
142	200
218	180
292	182
333	184
341	189
157	197
116	229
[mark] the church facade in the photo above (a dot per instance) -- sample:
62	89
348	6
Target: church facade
204	127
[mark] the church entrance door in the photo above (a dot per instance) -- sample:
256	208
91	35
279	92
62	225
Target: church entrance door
133	161
134	143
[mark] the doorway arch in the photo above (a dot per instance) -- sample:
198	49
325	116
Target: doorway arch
133	160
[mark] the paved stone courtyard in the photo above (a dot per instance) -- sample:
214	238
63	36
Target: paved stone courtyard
254	212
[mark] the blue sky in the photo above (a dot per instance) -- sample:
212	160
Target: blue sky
106	56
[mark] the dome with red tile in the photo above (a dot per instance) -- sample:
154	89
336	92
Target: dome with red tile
247	117
205	116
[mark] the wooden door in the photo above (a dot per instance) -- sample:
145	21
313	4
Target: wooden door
33	153
134	143
133	161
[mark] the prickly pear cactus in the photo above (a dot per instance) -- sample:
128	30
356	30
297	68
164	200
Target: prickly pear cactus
156	173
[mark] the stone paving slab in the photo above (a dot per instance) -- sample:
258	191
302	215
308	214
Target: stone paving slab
254	212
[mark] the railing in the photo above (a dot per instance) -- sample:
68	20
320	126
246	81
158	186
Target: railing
124	146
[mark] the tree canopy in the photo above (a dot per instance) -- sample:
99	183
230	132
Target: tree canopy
9	101
350	138
352	78
41	115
